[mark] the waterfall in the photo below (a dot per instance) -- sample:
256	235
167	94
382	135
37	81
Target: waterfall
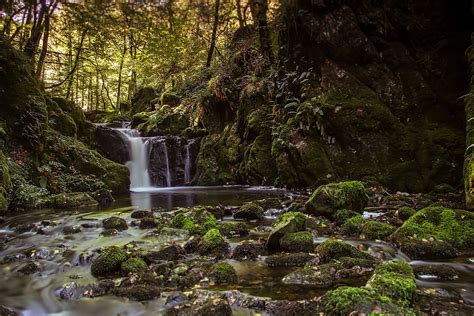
138	164
167	161
187	163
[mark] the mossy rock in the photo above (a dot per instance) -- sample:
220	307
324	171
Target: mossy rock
109	261
375	230
115	222
213	244
428	249
169	97
133	265
343	215
297	242
234	229
345	300
290	222
72	200
249	211
353	226
405	212
455	227
442	272
334	249
394	279
195	222
222	272
329	198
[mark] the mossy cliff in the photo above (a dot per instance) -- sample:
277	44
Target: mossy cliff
356	92
41	148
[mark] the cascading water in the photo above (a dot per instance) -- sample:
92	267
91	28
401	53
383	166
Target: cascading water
138	164
187	163
167	162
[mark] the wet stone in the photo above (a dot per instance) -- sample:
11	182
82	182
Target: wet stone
288	260
248	250
29	268
69	230
141	214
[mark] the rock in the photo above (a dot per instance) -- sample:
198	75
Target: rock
109	232
435	271
288	260
168	253
222	272
455	227
334	249
23	228
149	223
290	222
133	265
109	261
394	279
343	215
213	244
233	229
70	230
112	144
375	230
216	306
248	250
436	249
405	212
29	268
141	214
328	274
297	242
6	311
70	200
115	222
249	211
138	292
329	198
346	300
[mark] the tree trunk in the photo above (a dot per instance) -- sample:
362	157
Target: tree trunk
44	49
119	88
214	34
33	41
259	9
239	13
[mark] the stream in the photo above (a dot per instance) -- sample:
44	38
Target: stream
63	256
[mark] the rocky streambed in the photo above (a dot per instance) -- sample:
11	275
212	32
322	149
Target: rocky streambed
243	250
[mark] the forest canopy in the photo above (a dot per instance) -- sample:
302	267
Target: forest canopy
98	53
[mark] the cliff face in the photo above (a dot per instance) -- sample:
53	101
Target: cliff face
468	158
363	89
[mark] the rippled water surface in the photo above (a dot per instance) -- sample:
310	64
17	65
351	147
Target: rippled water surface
63	258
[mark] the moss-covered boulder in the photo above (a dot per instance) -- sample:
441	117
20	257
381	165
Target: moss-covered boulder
248	250
249	211
197	221
345	300
329	198
133	265
455	227
222	272
290	222
394	279
297	242
109	261
405	212
334	249
213	244
377	230
441	272
115	222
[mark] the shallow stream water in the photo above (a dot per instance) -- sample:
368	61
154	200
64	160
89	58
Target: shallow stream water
63	258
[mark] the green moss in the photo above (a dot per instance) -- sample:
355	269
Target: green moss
343	215
133	265
453	226
249	211
344	300
222	272
335	249
70	200
233	229
327	199
196	223
377	230
290	222
405	212
394	279
353	226
212	243
109	261
297	242
115	222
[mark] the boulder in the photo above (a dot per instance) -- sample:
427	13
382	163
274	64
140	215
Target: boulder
290	222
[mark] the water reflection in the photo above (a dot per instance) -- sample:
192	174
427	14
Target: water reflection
169	198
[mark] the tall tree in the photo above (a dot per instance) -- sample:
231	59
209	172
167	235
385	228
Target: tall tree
259	10
214	33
